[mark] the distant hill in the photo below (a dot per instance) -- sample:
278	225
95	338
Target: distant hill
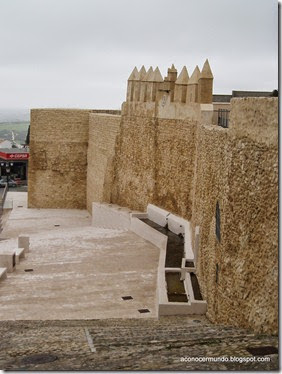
14	115
19	129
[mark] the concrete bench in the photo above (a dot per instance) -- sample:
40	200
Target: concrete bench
3	273
23	242
20	254
8	260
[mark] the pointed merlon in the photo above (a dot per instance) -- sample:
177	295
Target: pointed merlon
133	74
137	76
157	75
195	76
149	74
183	76
142	73
206	71
172	69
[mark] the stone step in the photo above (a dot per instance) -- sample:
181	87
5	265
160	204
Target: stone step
180	333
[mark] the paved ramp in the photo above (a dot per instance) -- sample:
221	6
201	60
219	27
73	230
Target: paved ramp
76	271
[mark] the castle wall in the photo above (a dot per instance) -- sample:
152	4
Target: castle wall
58	158
169	154
134	183
154	159
103	131
238	168
175	151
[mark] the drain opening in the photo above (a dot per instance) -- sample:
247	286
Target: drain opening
20	206
196	321
262	351
143	311
57	225
28	270
39	359
127	298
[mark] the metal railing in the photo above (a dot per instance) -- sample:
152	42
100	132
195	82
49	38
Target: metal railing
223	117
2	202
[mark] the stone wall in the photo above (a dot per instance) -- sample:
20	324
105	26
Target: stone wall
175	151
238	168
154	164
58	158
103	130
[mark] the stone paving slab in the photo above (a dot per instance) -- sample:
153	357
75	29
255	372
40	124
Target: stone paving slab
128	344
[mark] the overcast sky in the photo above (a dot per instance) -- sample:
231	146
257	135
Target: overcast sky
79	53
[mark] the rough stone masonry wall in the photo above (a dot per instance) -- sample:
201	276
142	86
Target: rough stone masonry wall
58	158
238	167
154	164
103	130
134	182
175	151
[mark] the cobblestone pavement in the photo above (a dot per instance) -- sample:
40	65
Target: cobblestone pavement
129	344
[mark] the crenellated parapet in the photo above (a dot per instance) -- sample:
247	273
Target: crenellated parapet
144	86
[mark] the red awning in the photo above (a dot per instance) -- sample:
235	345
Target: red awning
14	156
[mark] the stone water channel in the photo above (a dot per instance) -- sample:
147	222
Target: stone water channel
174	254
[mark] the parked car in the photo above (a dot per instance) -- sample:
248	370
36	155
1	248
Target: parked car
11	183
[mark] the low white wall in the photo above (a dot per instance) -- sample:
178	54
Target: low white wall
157	215
110	216
148	233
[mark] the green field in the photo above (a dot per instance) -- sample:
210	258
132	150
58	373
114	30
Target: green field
19	128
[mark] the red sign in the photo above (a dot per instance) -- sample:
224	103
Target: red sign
14	156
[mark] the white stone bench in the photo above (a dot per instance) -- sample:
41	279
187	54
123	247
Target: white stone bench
3	273
20	254
8	259
23	242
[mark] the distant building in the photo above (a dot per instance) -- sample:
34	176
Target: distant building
14	163
221	103
227	98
